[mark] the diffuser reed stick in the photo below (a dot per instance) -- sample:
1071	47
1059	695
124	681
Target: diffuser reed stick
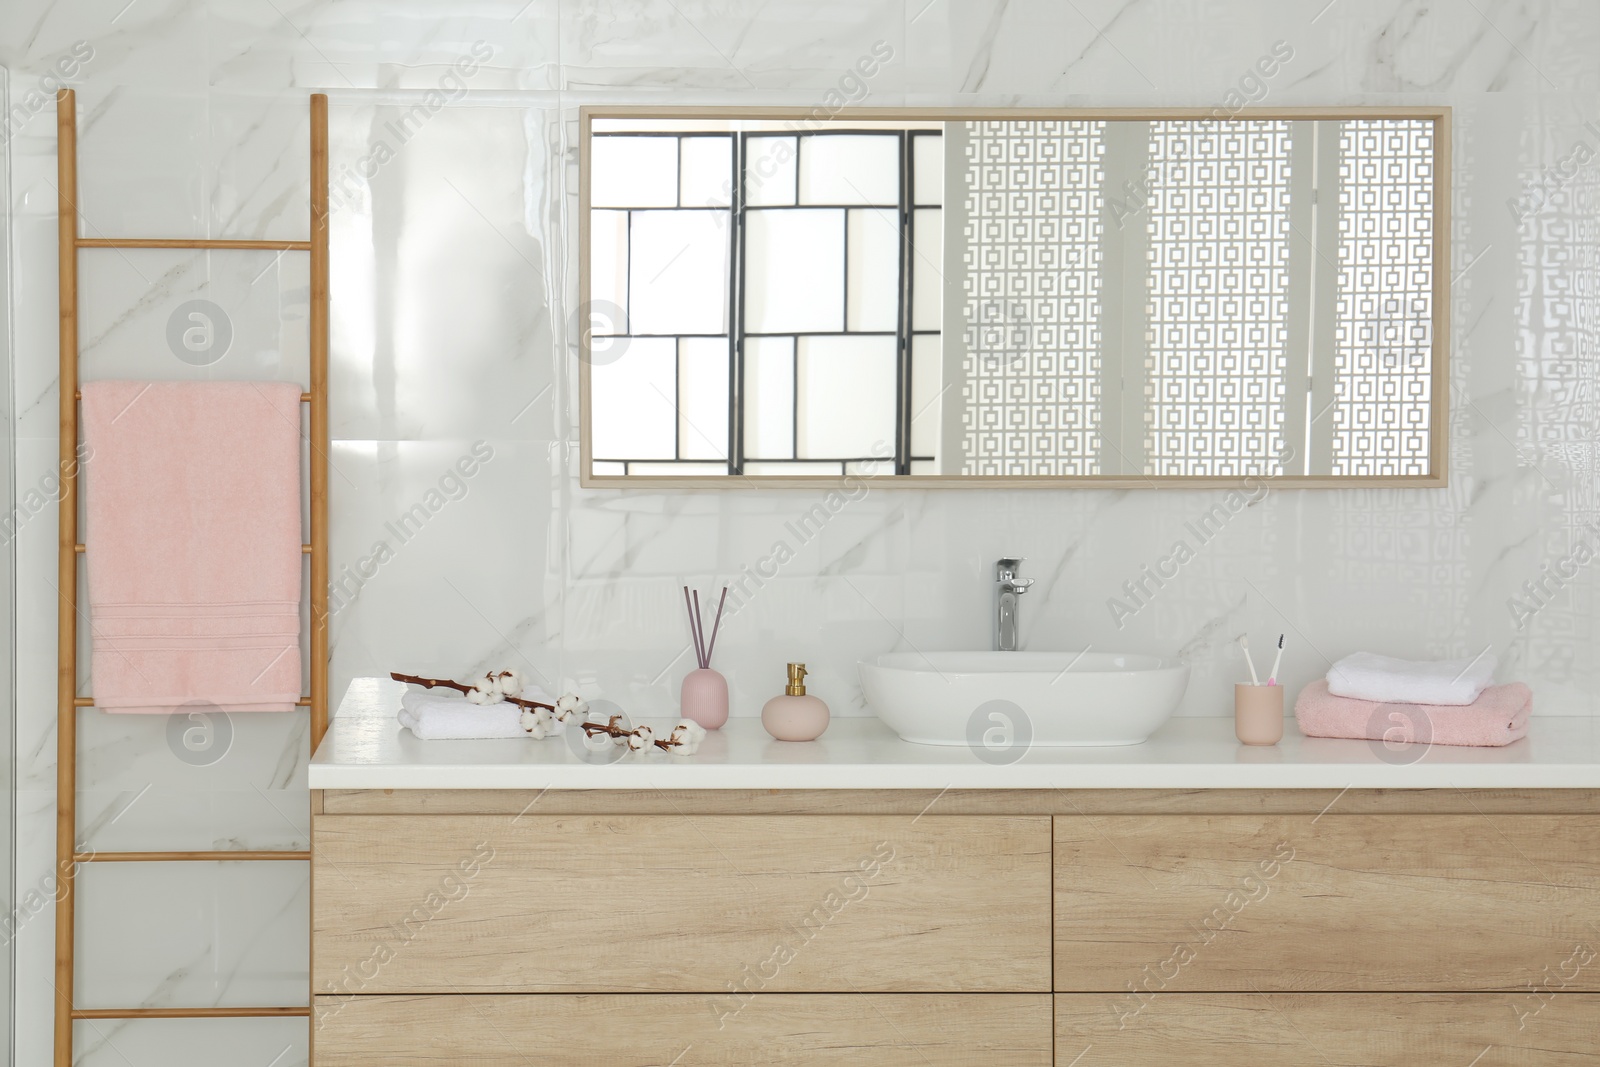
697	626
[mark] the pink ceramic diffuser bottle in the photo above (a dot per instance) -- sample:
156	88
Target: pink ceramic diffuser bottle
795	716
704	696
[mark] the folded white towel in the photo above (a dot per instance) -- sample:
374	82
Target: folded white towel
1366	676
443	714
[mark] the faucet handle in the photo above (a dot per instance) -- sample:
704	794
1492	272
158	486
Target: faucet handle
1005	568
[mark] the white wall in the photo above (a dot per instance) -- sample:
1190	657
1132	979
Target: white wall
454	286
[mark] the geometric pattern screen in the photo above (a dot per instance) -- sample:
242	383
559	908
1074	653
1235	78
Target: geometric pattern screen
1383	357
1031	252
1215	374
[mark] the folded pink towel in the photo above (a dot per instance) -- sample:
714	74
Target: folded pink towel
1498	717
192	492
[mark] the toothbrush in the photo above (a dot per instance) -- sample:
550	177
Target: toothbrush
1272	677
1244	643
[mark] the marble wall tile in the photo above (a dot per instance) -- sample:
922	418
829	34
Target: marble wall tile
443	298
249	154
190	1042
442	560
213	934
655	45
369	44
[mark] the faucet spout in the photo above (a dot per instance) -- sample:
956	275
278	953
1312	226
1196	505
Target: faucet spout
1007	588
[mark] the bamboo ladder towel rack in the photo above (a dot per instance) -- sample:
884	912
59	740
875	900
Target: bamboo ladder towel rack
68	702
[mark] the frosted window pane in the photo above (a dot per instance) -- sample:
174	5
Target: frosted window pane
769	171
794	264
679	277
769	397
927	269
794	470
846	395
874	273
633	172
927	169
608	271
607	469
631	412
848	168
707	171
703	397
678	470
927	372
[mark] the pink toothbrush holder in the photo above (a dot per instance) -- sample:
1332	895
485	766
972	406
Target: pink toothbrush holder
704	698
1258	714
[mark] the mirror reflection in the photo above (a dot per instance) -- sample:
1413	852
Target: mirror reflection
1133	299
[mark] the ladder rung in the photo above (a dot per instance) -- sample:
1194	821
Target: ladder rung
80	548
305	398
189	1013
181	857
196	242
88	702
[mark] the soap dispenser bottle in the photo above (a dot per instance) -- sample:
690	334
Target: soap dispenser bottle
795	716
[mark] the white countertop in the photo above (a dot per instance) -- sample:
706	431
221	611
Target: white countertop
365	748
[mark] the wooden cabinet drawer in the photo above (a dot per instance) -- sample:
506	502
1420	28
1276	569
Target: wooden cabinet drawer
1348	1029
1152	905
655	903
814	1030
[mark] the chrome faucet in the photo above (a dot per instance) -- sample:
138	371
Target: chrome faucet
1007	588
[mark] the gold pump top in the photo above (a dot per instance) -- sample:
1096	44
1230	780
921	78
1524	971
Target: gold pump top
797	680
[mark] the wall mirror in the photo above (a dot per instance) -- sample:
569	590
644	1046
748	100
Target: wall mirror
966	298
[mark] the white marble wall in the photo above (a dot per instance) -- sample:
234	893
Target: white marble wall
454	286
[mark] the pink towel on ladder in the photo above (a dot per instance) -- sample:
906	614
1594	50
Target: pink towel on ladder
193	515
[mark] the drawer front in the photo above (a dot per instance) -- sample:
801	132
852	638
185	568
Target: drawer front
816	1030
1155	905
731	904
1350	1029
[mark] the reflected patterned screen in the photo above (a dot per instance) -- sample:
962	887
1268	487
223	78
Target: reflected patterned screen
1051	298
1031	377
1384	359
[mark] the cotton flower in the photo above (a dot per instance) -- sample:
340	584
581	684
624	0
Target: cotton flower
511	682
570	707
686	737
637	743
485	691
536	722
642	740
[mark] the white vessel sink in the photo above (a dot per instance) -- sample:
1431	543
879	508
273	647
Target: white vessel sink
1004	702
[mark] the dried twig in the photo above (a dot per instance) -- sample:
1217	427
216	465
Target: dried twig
445	683
540	719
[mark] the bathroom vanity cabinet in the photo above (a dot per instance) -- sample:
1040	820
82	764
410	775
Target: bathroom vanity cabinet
1010	928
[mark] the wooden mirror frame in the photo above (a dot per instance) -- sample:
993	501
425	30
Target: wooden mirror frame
1438	447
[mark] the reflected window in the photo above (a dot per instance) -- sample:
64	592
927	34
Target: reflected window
764	299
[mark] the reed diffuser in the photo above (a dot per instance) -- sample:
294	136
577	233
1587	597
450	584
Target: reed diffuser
704	697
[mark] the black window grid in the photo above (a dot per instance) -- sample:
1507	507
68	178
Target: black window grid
737	209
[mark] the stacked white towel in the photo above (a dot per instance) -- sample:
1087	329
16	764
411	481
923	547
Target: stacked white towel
1451	682
443	714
